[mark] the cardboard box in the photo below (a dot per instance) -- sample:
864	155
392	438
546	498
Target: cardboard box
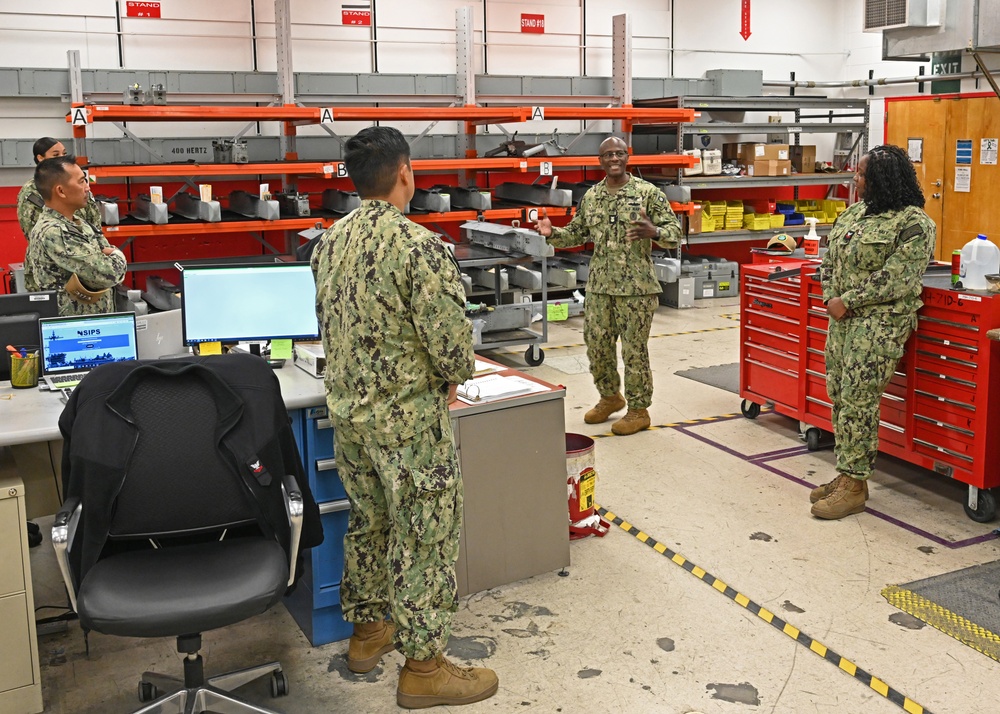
731	153
310	358
694	220
758	152
769	167
803	158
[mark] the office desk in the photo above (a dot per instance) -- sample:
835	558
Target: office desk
512	454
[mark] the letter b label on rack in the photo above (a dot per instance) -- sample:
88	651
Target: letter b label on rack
545	168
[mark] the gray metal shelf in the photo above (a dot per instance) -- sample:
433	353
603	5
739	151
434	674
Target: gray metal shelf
752	104
728	182
733	127
740	236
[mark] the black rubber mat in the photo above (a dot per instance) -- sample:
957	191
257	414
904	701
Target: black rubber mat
963	604
723	376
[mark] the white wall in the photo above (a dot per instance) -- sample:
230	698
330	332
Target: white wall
817	39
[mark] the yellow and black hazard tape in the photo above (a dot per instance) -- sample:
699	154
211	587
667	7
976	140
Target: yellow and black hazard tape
769	617
676	424
953	625
549	348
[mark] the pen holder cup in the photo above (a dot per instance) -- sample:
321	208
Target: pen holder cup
24	370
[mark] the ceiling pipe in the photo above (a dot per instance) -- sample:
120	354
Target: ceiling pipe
874	82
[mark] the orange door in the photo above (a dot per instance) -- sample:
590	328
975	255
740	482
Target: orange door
923	122
978	209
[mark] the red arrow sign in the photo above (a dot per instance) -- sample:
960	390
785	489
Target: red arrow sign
745	19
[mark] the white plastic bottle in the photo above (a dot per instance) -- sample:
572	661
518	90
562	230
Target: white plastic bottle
810	243
980	257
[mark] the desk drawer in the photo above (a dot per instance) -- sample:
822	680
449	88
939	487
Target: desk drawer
328	558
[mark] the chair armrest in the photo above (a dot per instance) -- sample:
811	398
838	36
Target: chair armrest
63	532
294	509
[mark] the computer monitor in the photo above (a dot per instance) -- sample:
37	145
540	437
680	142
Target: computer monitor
243	303
19	313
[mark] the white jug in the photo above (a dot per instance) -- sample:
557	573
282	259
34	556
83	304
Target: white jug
980	257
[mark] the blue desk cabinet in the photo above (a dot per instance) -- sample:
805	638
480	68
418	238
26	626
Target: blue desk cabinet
315	602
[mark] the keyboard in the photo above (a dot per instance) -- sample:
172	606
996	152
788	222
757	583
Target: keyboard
64	381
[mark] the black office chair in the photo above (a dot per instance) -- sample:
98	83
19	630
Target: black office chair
187	541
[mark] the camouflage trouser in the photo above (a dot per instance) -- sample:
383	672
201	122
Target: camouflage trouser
402	537
606	318
861	356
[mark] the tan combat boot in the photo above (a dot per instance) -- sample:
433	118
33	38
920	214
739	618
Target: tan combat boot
605	408
633	421
821	492
437	681
369	642
849	496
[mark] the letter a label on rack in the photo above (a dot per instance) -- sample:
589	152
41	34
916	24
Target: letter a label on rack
326	115
79	116
537	113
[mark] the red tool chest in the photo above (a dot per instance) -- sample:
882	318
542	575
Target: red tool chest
943	404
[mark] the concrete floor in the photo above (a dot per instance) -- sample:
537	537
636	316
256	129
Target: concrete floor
628	630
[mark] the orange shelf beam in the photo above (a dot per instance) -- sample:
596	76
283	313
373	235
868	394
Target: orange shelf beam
322	168
299	224
329	169
295	113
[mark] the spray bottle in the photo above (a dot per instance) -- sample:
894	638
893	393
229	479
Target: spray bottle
810	243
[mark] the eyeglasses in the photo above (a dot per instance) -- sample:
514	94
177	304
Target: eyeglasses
614	154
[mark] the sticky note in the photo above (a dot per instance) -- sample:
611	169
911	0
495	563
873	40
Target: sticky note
558	311
281	349
210	348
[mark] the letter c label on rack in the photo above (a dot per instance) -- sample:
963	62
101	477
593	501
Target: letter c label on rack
532	215
326	115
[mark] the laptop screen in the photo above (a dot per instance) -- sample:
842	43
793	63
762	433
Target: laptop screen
78	344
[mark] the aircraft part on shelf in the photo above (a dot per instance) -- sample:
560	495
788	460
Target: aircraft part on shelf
341	202
534	194
560	274
251	206
467	198
161	294
144	209
197	210
228	151
525	277
293	204
507	238
109	210
431	200
576	189
486	278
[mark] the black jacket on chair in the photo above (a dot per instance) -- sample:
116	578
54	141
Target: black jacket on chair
252	433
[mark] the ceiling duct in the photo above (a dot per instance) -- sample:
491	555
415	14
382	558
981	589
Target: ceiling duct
971	25
892	14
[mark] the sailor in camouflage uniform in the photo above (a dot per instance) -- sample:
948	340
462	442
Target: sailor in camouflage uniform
392	314
65	253
622	216
872	275
30	202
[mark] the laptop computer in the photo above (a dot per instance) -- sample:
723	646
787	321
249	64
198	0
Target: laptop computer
72	346
160	335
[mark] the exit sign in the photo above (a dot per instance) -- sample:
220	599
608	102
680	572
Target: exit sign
533	23
142	9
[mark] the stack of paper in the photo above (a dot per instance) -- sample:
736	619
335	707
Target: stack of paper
494	386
